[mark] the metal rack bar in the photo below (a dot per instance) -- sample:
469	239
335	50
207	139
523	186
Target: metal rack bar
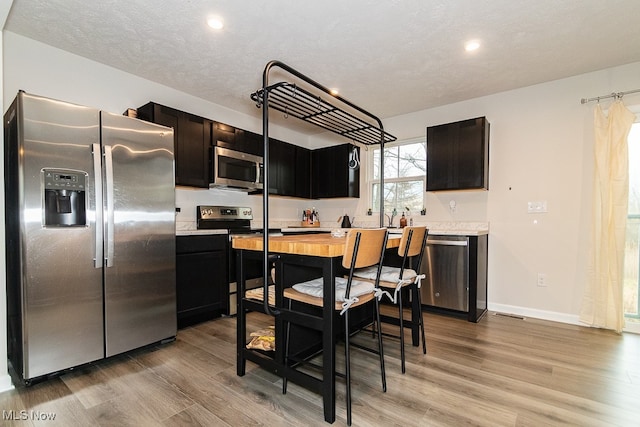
295	101
299	102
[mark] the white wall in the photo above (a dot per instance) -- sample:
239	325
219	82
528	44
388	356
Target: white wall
541	141
540	149
5	379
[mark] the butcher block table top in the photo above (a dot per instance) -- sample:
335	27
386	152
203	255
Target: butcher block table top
321	245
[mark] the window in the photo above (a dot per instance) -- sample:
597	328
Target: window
404	176
632	258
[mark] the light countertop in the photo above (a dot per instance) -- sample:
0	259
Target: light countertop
186	228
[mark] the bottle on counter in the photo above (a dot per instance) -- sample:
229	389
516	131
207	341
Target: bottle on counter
403	221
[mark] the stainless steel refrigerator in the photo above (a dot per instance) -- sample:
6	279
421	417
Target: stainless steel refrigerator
90	234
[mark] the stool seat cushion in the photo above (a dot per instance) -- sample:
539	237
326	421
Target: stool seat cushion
315	288
389	274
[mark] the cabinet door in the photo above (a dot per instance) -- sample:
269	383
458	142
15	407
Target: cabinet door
302	172
191	142
458	155
331	175
201	278
194	142
282	168
440	157
323	170
472	154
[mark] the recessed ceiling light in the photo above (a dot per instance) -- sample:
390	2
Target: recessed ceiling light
333	91
215	22
471	45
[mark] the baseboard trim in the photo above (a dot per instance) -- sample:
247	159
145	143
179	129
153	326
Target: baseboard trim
5	383
553	316
536	314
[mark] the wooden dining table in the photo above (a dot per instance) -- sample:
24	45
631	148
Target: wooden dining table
296	258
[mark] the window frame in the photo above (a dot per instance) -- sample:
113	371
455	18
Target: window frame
371	181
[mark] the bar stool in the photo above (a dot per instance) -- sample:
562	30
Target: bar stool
412	244
364	248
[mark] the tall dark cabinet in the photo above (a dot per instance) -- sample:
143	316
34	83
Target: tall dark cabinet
192	141
458	155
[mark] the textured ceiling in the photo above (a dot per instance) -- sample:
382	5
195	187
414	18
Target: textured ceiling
390	57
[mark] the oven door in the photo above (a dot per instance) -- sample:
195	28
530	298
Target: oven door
235	169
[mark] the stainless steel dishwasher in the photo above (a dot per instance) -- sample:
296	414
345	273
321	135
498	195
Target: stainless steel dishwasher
456	275
447	268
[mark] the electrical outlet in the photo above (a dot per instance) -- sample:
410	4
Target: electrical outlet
542	280
537	207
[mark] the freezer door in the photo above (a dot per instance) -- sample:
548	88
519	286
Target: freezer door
139	221
59	289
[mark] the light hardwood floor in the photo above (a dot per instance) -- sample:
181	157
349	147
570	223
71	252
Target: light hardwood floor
502	371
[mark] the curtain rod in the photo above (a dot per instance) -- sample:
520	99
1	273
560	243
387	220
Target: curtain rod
616	95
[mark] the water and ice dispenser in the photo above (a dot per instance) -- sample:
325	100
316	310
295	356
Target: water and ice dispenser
64	198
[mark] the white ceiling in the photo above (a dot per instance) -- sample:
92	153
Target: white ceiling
390	57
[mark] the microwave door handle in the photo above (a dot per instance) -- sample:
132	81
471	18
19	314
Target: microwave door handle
99	225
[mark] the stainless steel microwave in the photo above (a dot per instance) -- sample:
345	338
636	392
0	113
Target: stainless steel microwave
235	169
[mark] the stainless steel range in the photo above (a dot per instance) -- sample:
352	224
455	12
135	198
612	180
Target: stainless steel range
237	221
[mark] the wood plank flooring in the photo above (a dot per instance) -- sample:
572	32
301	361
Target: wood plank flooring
502	371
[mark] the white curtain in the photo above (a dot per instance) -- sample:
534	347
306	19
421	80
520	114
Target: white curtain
602	302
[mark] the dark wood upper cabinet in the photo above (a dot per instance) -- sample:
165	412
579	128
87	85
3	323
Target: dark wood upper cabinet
237	139
303	172
192	141
293	171
282	168
458	156
331	175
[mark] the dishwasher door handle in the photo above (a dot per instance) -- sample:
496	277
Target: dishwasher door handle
448	242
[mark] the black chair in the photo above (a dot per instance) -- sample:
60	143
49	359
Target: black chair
412	247
364	248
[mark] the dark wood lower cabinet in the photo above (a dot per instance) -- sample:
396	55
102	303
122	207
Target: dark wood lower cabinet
202	285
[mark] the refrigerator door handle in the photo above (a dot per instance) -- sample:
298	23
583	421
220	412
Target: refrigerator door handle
97	173
108	162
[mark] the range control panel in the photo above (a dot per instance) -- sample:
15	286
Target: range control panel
223	213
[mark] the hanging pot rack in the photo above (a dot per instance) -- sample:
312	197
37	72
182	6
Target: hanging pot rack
298	102
333	113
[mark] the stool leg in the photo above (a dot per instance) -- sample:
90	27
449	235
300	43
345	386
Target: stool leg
286	353
424	341
401	319
347	364
416	295
380	348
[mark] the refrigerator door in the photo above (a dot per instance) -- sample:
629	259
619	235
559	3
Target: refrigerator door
139	222
60	288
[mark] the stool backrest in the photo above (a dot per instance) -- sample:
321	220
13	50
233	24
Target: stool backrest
412	244
364	248
415	243
369	249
